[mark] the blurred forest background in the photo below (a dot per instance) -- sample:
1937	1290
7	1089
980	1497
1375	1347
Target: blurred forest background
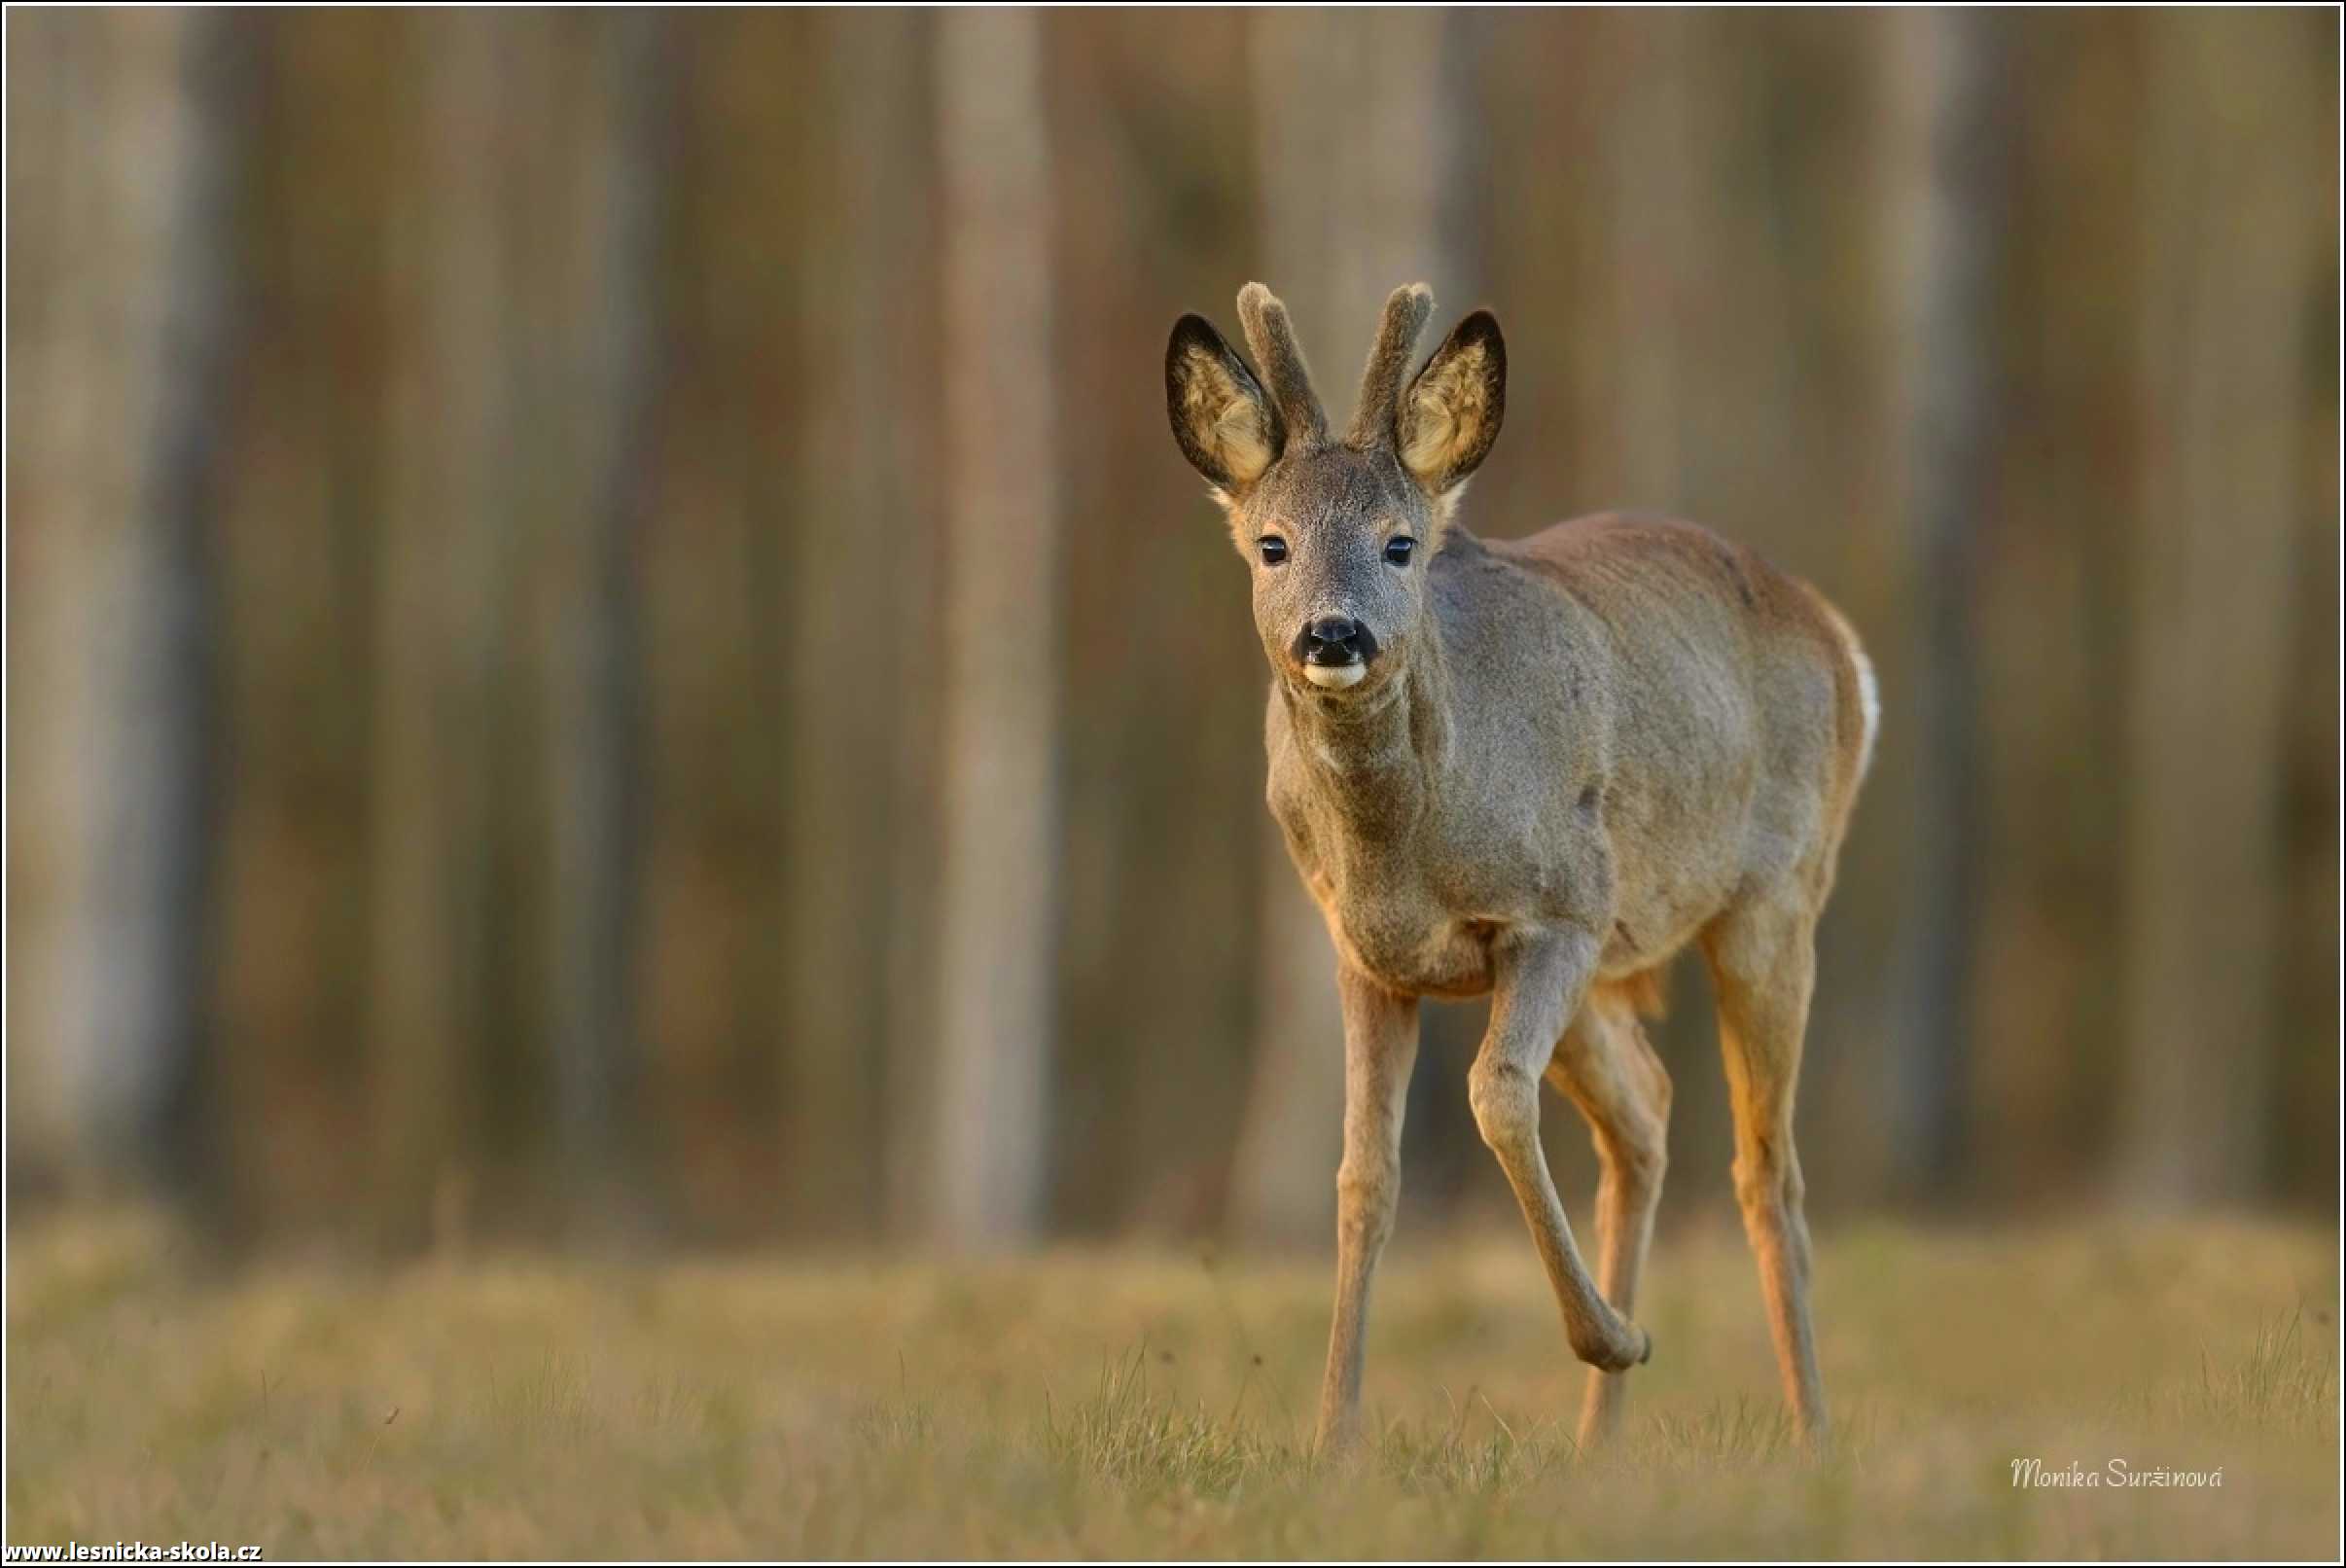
605	637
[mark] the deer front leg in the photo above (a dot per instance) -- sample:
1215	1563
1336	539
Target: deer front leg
1539	980
1380	1046
1605	1066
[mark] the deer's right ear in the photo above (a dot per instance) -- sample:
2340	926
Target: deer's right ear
1226	426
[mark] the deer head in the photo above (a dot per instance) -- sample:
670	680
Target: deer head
1340	534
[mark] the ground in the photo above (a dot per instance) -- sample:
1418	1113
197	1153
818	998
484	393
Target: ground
1157	1403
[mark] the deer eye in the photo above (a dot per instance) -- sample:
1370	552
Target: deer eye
1273	547
1398	548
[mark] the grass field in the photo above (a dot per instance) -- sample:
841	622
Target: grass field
1158	1403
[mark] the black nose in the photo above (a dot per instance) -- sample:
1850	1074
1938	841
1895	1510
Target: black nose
1332	639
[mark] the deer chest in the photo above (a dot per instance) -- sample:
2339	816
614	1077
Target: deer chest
1410	942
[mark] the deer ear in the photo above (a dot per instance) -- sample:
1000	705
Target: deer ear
1226	426
1451	412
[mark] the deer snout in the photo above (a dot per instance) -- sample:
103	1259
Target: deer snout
1335	639
1334	650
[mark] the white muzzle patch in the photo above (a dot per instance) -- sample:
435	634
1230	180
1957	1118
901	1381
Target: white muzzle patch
1334	677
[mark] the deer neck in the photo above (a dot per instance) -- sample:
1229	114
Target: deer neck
1378	760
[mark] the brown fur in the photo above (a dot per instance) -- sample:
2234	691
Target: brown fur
1561	760
1388	367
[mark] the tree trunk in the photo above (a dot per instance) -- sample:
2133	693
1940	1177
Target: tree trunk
49	717
442	587
599	705
856	650
1949	72
999	649
1639	397
168	148
2228	304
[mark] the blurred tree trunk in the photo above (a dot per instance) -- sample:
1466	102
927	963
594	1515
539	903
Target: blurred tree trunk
300	529
876	516
1950	82
600	707
1162	783
50	717
441	581
996	650
2233	247
2308	1086
1653	200
2049	619
550	117
1354	204
174	102
857	652
720	575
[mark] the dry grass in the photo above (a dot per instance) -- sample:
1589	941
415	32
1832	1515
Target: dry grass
1156	1403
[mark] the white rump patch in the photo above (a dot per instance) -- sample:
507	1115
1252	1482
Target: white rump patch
1870	694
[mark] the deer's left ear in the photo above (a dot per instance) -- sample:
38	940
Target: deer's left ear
1451	412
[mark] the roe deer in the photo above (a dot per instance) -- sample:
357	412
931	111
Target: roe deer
1535	767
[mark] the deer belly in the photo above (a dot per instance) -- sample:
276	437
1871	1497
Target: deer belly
1415	955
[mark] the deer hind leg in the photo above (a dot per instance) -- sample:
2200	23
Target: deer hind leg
1762	962
1605	1066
